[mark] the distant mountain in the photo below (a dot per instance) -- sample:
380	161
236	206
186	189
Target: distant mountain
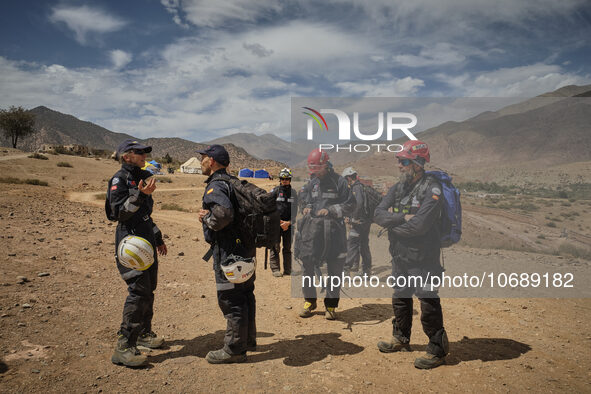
536	133
266	146
62	129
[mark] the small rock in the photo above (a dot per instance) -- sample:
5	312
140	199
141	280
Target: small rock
82	355
4	315
41	274
26	306
202	295
22	279
181	253
196	239
11	254
21	325
53	258
288	307
35	371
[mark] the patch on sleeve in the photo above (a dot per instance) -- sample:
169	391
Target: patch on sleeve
436	191
114	187
210	191
435	197
115	181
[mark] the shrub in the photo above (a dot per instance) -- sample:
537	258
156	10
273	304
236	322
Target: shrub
572	250
36	182
64	164
173	207
37	156
541	236
10	179
551	224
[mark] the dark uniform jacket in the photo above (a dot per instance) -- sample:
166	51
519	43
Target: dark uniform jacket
414	244
359	216
325	237
286	198
219	227
131	208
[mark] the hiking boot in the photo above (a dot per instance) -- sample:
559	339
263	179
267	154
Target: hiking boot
330	314
308	308
429	361
127	355
394	345
222	357
277	274
150	340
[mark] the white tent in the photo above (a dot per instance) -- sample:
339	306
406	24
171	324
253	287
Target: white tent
191	166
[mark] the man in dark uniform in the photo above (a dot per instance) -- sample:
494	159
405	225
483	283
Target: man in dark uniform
286	199
415	247
129	201
326	200
236	300
360	223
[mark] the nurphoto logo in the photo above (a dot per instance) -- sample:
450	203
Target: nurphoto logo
395	121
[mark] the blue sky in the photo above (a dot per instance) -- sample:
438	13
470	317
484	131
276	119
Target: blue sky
201	69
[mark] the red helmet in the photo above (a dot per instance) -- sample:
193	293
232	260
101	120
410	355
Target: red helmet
413	150
317	161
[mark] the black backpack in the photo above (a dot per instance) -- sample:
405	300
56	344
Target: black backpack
372	200
258	217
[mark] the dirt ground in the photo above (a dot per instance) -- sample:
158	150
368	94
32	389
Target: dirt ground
58	326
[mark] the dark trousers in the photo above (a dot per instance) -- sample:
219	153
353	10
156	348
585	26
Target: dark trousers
238	305
358	245
431	319
334	268
286	237
138	309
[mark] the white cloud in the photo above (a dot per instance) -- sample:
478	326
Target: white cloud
523	81
120	58
85	20
389	88
207	13
438	55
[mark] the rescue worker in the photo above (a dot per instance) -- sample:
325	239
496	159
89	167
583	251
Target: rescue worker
129	201
415	245
285	197
359	226
236	300
326	199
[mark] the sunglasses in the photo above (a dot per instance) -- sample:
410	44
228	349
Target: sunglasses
404	162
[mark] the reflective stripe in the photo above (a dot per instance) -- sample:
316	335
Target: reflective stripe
130	207
280	199
329	195
224	286
314	194
156	229
338	210
131	274
290	199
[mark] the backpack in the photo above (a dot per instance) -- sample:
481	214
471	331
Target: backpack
371	201
451	214
257	215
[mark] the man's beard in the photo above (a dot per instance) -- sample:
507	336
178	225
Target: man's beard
406	177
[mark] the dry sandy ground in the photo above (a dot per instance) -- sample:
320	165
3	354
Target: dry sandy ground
57	331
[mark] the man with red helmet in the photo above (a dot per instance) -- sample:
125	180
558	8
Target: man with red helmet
415	246
326	199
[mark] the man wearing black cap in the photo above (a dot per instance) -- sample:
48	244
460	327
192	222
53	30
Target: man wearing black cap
129	201
236	300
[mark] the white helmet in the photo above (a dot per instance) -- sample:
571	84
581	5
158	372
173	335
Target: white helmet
348	172
135	252
238	269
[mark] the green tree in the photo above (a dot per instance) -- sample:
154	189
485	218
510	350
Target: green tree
16	122
167	159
